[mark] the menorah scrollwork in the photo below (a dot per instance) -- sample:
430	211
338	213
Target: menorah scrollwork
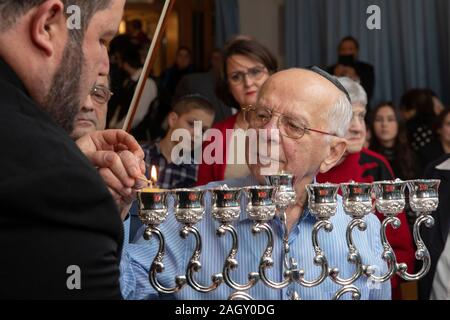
266	202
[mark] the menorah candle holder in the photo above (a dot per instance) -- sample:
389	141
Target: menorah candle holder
153	209
322	204
390	201
226	208
189	210
262	208
285	197
423	200
357	202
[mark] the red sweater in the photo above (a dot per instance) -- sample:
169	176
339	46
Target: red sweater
368	166
216	172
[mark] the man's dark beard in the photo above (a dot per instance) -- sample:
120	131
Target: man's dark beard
63	101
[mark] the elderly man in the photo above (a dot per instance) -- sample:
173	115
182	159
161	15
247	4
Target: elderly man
92	115
310	116
60	231
362	165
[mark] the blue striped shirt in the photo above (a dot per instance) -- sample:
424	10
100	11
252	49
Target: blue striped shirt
137	257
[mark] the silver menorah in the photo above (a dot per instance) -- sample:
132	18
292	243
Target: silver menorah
266	202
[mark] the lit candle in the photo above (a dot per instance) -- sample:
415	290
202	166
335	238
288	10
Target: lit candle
153	182
154	176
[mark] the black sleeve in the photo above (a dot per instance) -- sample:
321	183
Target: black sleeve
54	219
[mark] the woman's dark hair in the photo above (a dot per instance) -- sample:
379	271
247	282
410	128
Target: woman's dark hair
250	49
403	155
420	100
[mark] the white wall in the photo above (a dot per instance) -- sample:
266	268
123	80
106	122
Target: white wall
261	20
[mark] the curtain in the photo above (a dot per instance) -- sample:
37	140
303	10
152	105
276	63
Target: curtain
227	20
412	48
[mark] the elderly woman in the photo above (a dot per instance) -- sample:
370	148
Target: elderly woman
363	165
247	65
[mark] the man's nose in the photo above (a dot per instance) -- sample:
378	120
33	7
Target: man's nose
88	104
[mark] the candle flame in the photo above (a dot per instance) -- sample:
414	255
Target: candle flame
154	175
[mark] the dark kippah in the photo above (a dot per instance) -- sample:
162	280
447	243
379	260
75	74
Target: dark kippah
330	78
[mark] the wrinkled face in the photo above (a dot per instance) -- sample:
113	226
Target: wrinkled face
445	130
245	78
301	157
92	115
356	135
183	59
348	48
385	125
187	121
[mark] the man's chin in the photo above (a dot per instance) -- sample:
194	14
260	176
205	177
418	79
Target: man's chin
78	132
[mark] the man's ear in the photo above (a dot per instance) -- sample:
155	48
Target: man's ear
48	25
336	151
172	118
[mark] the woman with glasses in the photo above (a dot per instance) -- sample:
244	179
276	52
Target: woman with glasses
247	65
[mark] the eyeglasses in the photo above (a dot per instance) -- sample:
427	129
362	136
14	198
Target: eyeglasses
259	117
254	74
100	94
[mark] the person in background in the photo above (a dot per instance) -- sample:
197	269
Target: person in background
186	111
247	65
137	35
172	76
441	145
418	109
129	61
205	84
436	283
92	115
389	139
349	66
362	165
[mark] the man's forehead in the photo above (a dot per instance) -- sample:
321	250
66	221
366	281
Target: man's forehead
295	108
